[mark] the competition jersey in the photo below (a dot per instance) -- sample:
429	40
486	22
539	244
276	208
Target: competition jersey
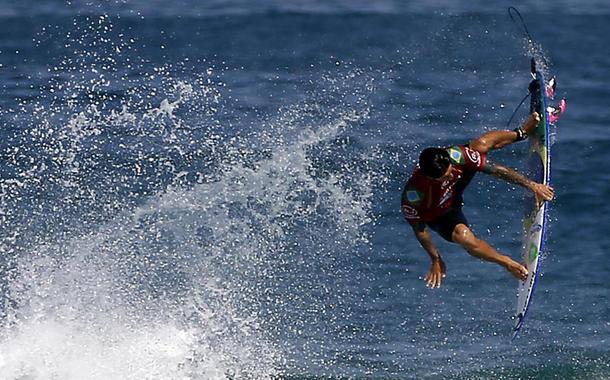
425	199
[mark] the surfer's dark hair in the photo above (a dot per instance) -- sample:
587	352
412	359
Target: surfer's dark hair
433	162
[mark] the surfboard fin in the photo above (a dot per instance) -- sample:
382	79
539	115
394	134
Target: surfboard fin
556	112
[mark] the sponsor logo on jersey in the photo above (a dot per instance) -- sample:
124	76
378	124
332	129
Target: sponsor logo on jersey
474	156
409	212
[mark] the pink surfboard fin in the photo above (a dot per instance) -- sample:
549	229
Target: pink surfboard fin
556	112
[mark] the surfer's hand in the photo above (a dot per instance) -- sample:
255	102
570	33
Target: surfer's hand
542	192
530	125
436	273
517	270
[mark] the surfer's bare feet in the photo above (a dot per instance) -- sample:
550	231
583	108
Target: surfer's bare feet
517	270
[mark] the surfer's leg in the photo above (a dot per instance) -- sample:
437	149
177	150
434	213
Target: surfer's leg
463	236
534	90
445	224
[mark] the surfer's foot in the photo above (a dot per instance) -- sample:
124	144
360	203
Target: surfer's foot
534	86
556	112
534	90
517	270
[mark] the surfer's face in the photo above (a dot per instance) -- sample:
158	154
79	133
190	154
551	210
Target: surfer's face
445	176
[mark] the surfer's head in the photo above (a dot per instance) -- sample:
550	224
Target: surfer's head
434	162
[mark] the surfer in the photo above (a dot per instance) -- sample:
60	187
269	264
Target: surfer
432	197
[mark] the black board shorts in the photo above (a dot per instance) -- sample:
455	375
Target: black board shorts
445	224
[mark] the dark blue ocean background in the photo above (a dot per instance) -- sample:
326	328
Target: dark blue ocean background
210	190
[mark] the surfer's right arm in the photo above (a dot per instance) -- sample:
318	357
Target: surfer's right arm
437	268
499	139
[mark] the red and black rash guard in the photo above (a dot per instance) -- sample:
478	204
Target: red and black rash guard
425	199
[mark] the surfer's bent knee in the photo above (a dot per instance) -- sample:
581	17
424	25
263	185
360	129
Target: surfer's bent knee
463	236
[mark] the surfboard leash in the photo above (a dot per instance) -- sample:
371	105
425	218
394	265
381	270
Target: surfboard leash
517	109
519	23
526	32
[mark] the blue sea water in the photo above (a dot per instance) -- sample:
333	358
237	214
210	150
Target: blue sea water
211	189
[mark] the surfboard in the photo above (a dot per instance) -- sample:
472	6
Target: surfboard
535	222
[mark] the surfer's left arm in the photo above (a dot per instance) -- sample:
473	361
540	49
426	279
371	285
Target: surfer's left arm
542	192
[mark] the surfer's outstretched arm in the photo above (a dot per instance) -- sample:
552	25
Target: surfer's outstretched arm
437	269
499	139
542	192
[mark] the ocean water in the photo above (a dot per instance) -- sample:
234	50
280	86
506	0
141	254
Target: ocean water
211	189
